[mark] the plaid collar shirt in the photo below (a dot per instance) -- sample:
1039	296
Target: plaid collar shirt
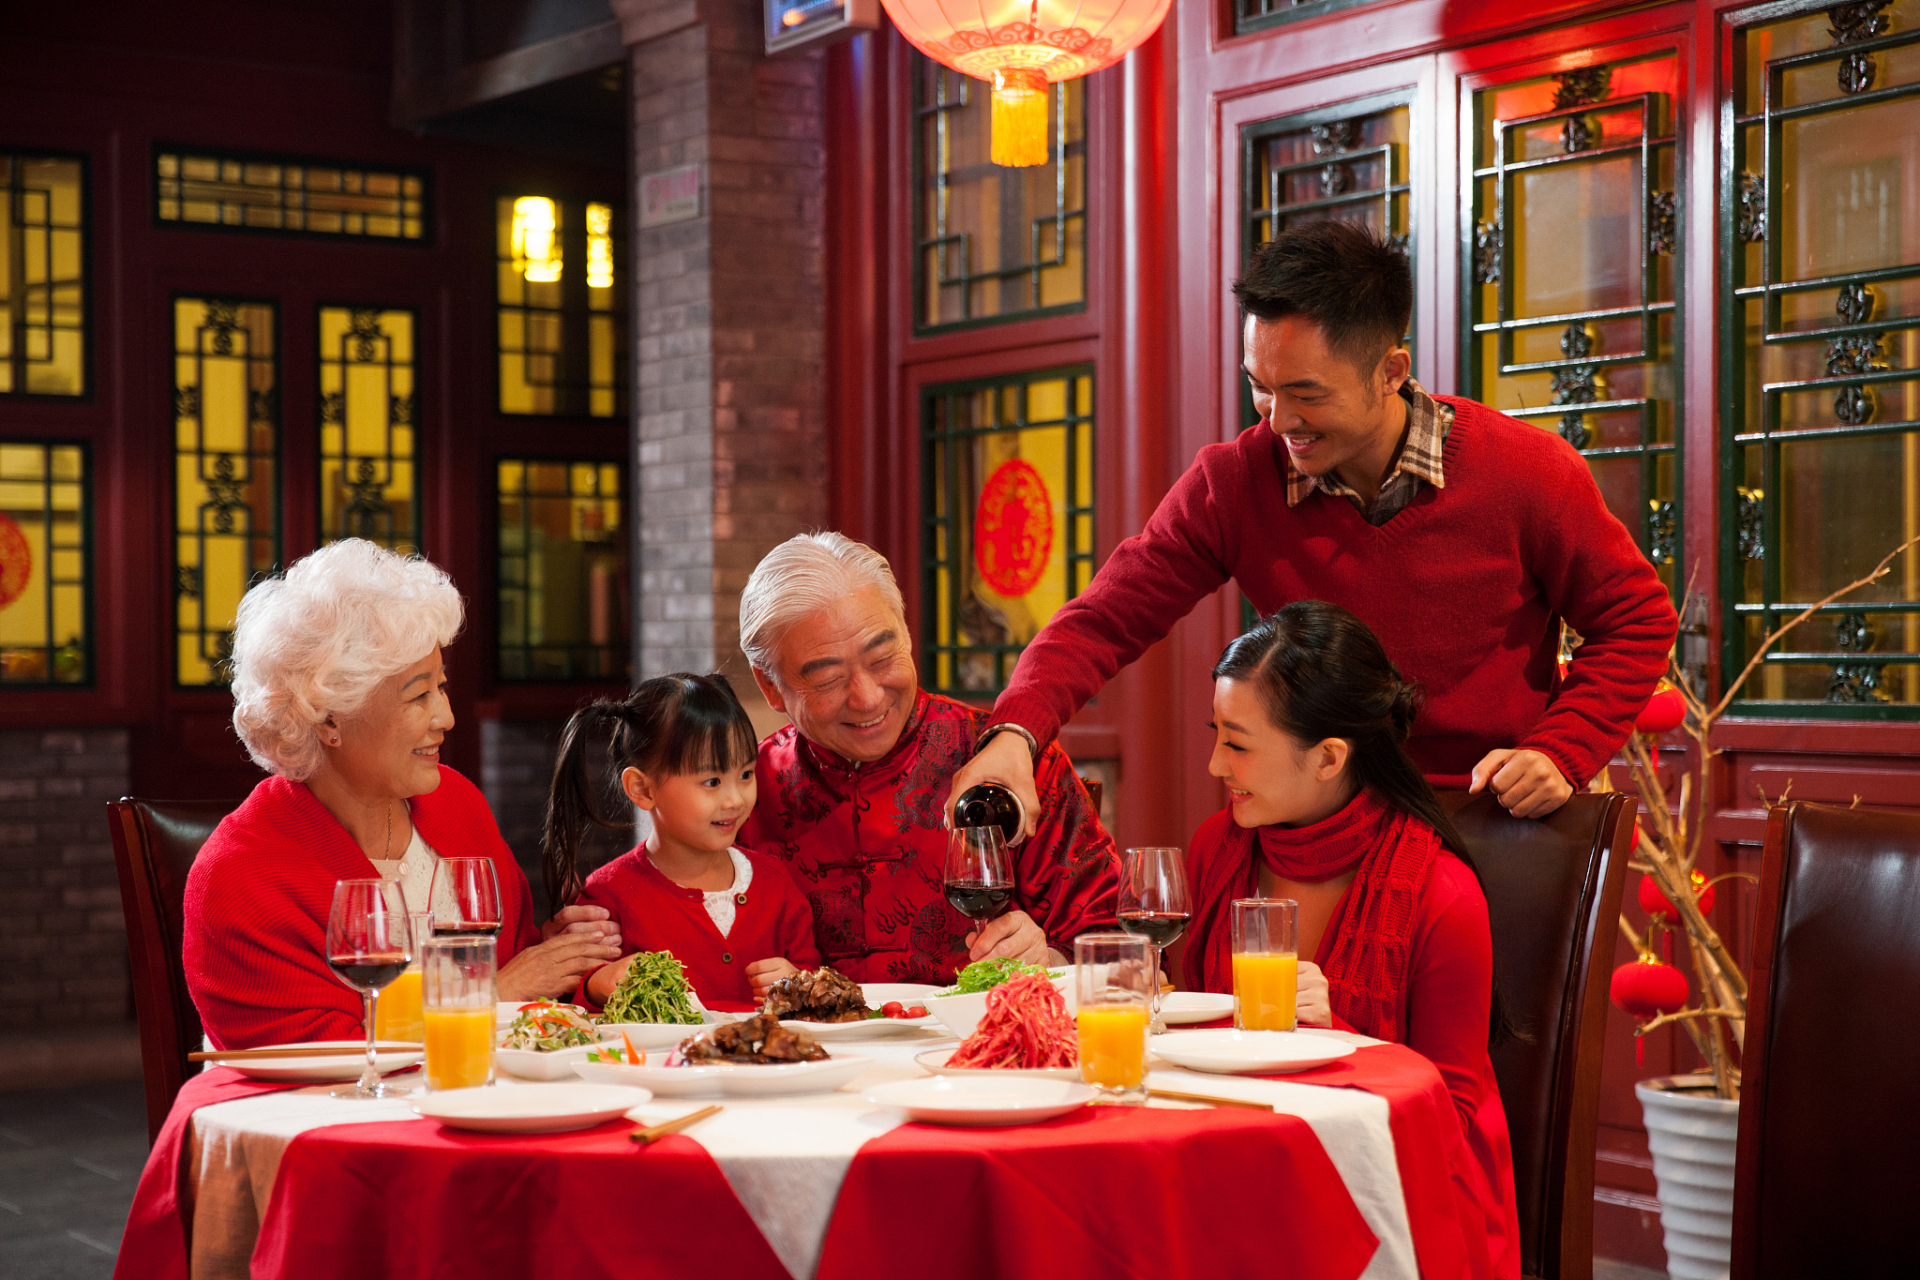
1428	422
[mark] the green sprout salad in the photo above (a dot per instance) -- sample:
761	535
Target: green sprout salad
983	975
654	990
545	1027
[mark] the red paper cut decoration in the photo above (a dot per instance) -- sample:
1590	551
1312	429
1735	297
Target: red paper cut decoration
16	561
1013	528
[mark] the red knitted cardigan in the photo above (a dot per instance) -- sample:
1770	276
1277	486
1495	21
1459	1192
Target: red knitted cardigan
1466	588
257	902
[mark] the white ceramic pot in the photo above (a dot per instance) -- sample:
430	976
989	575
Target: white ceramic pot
1692	1135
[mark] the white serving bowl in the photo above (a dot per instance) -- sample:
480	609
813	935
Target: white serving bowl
961	1014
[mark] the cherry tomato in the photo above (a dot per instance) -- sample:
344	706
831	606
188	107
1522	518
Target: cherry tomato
918	1011
892	1009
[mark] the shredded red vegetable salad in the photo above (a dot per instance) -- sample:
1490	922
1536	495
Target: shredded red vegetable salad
1026	1027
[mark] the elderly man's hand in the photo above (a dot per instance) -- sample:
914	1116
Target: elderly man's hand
1527	784
592	922
553	967
1007	760
1014	936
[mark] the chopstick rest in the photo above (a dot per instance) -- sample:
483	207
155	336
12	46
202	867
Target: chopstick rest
645	1136
1175	1096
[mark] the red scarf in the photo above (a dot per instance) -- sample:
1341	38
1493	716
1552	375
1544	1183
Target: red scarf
1369	943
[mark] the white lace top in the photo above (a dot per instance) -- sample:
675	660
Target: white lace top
720	903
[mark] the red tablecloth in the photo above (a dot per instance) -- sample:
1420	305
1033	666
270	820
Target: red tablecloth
155	1243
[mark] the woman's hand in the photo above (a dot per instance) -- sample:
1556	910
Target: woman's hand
589	921
762	974
1312	1006
1014	935
553	967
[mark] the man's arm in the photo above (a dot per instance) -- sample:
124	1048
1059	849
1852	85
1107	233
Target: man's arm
1597	579
1150	582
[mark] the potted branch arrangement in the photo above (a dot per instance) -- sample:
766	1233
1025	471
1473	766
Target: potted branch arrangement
1691	1119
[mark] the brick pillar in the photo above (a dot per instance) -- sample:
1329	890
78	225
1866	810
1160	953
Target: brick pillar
729	418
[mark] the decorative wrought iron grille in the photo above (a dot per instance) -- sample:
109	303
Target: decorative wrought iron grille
226	423
560	330
563	571
46	519
994	243
43	286
1257	15
369	426
1820	243
1007	497
251	191
1568	269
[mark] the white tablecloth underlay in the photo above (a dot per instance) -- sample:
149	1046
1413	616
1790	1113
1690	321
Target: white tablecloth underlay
784	1157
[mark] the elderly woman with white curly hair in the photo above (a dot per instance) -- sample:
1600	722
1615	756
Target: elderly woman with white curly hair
340	693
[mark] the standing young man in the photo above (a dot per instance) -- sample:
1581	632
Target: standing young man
1461	536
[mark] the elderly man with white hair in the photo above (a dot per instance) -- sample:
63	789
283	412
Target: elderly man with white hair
853	792
339	692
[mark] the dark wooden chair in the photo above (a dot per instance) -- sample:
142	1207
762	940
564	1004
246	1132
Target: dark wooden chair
154	844
1823	1174
1553	895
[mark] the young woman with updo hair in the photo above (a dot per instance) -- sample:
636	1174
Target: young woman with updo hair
1326	808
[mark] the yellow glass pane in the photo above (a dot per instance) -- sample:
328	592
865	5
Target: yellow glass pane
1844	199
562	601
368	408
43	571
42	276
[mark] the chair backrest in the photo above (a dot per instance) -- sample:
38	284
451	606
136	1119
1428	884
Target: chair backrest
1823	1175
1553	895
154	845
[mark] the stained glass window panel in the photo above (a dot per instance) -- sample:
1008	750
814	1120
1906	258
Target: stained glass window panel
995	243
1008	475
258	192
369	416
563	599
45	637
1823	247
226	421
43	288
560	316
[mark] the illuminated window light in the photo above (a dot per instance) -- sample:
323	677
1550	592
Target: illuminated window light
599	246
536	247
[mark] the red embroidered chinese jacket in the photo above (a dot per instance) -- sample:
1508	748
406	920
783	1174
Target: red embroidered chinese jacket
866	844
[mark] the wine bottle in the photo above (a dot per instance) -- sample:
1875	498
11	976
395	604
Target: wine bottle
990	805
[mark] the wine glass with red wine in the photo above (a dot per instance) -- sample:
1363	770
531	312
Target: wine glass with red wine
465	897
369	944
979	881
1153	905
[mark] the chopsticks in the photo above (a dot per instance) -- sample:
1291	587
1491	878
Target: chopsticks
342	1051
1174	1096
658	1131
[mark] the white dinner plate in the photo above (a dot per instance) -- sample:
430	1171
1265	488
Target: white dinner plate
533	1108
731	1079
315	1070
875	994
935	1060
532	1064
1247	1051
1178	1007
978	1099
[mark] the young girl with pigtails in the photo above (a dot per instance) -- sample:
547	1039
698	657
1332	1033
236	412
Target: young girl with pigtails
684	750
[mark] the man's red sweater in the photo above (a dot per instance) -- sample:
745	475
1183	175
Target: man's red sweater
1466	588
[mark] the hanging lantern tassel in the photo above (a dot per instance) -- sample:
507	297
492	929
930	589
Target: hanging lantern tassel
1020	117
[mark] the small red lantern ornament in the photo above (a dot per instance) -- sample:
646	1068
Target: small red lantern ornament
1656	904
1021	46
1646	989
1664	710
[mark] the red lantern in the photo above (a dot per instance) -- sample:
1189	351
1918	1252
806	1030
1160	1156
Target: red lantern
1646	988
1021	46
1664	710
1655	903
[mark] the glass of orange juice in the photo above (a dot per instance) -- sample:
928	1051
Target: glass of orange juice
457	991
398	1016
1265	964
1115	975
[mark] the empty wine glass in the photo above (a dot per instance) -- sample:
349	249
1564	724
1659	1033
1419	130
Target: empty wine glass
369	944
1153	905
979	883
465	897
